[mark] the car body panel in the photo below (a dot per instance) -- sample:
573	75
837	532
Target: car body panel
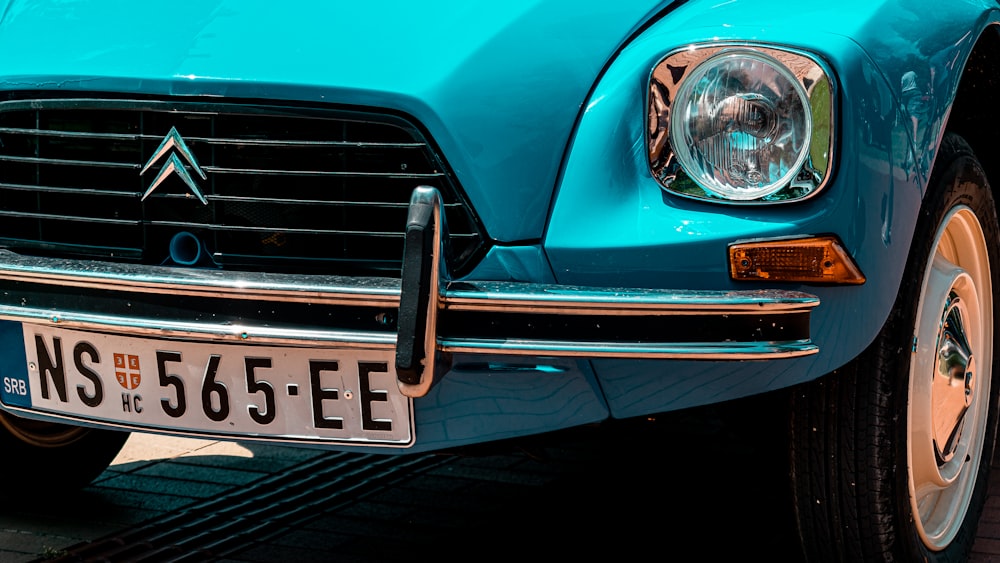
480	77
612	223
493	397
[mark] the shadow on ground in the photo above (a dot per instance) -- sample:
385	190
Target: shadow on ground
711	482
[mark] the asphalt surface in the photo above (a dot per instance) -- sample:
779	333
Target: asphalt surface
704	484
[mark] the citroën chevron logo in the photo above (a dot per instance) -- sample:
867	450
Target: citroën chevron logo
174	144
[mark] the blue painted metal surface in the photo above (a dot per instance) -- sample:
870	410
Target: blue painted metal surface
498	85
612	224
488	398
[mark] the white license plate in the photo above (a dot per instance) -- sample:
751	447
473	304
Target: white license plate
290	394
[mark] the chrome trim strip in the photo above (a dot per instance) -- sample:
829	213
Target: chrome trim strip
269	229
68	190
321	173
325	290
509	297
208	140
245	334
221	170
74	218
65	162
239	199
627	350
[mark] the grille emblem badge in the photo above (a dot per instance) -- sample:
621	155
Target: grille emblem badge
175	145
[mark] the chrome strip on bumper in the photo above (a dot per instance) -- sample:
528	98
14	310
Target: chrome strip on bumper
233	333
502	297
436	315
252	286
688	351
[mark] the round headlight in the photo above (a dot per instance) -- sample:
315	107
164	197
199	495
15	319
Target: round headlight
741	125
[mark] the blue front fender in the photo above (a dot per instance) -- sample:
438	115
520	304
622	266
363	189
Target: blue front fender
612	225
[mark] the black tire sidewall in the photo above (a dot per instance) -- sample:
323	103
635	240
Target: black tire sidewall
958	181
46	472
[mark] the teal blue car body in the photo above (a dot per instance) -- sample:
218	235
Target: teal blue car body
538	108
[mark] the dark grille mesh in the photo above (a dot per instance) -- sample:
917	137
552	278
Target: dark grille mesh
290	190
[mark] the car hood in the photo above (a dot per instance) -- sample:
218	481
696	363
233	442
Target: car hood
498	85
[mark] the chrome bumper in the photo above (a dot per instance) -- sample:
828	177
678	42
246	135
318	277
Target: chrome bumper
422	316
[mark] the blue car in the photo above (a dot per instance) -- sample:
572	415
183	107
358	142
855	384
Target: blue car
410	226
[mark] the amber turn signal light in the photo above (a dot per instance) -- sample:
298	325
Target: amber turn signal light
807	260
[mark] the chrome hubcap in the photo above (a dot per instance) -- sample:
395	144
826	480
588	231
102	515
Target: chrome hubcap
954	381
949	379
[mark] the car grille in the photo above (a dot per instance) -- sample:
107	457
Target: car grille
285	189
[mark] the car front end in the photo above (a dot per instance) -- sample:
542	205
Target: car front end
409	228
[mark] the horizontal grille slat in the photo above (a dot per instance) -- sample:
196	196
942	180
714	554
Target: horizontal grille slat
343	174
70	134
78	249
286	189
269	201
247	142
267	229
65	162
67	190
75	218
183	225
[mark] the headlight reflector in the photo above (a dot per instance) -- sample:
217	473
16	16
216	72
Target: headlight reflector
737	124
741	125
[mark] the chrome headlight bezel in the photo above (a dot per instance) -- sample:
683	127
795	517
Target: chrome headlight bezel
813	79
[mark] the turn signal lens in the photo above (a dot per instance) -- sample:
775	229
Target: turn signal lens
810	260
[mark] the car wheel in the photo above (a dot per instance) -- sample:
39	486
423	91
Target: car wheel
890	455
43	458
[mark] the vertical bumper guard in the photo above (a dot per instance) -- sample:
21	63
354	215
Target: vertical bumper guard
422	273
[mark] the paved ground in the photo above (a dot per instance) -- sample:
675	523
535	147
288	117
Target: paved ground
564	495
675	481
987	546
